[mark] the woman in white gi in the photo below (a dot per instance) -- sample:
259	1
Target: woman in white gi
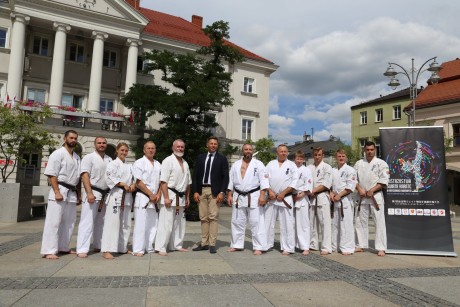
246	192
146	171
117	224
343	184
302	204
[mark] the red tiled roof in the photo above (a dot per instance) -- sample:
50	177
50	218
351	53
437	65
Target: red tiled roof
179	29
446	91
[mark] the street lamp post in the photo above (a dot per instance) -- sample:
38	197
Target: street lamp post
412	75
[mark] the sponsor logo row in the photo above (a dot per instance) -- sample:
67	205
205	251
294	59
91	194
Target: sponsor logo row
413	211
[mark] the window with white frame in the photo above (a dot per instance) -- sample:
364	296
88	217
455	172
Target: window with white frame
363	118
247	129
106	105
110	59
397	112
362	144
3	33
36	95
456	135
249	85
379	115
70	100
76	53
40	46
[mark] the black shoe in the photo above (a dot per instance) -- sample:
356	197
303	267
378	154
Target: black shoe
200	248
212	249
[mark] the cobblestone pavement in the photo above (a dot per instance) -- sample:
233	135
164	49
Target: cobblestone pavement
379	282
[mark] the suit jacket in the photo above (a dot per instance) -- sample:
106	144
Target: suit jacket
219	174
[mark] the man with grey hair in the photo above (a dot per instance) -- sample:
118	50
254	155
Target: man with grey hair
175	184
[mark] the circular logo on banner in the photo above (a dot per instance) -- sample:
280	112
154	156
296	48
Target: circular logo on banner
417	161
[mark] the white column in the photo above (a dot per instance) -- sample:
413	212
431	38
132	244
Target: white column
131	66
16	65
95	80
57	72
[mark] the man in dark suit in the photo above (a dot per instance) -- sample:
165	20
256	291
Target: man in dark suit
209	184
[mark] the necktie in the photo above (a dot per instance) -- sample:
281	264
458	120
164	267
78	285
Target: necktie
208	167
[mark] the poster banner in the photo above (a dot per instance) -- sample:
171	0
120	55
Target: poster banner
416	205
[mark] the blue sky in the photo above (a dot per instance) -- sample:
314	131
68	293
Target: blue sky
331	53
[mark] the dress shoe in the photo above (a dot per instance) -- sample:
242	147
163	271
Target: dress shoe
200	248
212	249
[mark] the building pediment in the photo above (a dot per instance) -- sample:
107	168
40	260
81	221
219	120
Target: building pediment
111	16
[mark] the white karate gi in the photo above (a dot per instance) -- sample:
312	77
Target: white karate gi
171	226
254	177
302	206
320	217
369	174
92	221
146	218
117	222
343	235
281	177
61	215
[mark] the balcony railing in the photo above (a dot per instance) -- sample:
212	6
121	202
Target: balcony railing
72	117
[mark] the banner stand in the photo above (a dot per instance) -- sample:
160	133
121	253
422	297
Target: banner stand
422	253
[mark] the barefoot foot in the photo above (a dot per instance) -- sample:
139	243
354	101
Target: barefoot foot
381	253
257	252
108	256
51	257
232	250
82	255
306	252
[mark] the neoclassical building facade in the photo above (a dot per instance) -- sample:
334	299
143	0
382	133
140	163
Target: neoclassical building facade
85	55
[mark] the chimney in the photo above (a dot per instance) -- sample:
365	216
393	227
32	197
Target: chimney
197	20
134	3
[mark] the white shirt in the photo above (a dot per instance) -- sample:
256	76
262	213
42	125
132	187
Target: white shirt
118	171
304	184
322	176
280	177
254	177
344	179
95	166
149	174
66	168
172	174
371	173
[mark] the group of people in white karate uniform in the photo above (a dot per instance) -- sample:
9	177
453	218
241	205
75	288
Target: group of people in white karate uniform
312	203
162	194
308	201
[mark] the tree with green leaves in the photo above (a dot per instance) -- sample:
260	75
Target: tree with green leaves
200	83
265	149
20	132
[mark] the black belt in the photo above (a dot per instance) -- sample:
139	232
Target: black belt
178	194
248	193
104	193
206	186
316	201
68	186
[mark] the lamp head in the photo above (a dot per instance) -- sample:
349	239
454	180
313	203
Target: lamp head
390	72
434	79
394	83
434	66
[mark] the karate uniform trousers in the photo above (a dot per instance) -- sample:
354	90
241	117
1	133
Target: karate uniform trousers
343	235
90	227
117	226
320	223
171	229
255	217
302	227
145	228
58	229
362	225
